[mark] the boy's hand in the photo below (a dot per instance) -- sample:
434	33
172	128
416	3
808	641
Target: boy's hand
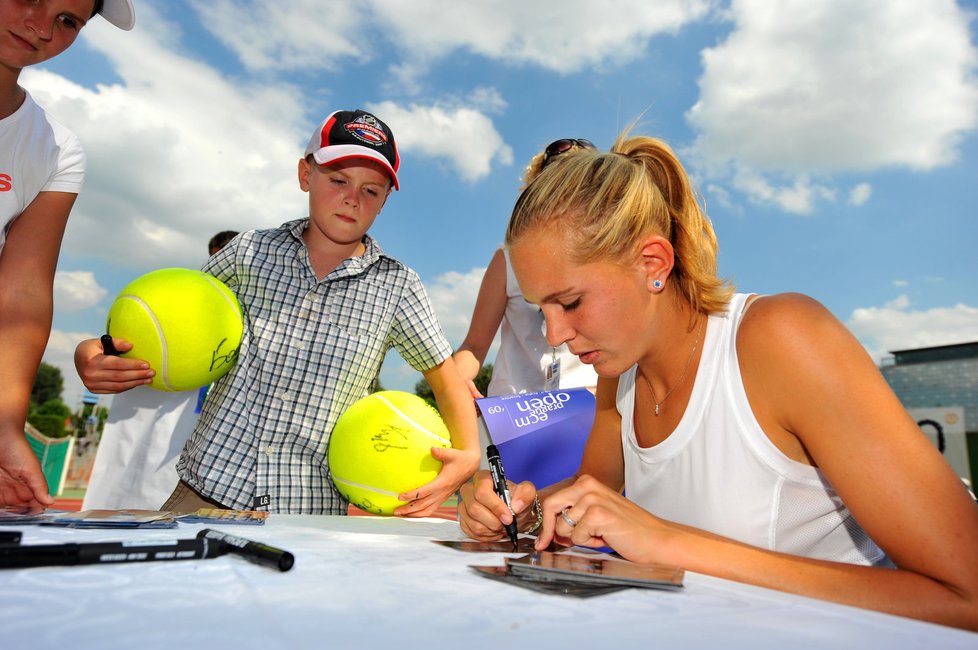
106	373
458	465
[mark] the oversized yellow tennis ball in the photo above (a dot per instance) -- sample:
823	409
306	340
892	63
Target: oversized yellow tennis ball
381	447
186	324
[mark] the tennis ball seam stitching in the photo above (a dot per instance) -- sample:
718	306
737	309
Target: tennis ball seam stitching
363	486
159	334
236	307
404	415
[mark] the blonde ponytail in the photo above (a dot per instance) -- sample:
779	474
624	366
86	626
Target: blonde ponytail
607	202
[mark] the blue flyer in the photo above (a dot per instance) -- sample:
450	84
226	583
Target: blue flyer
540	436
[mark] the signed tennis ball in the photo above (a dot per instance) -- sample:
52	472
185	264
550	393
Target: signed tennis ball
381	447
186	324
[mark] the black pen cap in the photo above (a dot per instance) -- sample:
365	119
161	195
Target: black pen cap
108	348
255	552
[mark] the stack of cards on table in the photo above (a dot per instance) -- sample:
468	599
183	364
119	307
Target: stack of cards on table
114	519
13	516
218	516
572	574
20	516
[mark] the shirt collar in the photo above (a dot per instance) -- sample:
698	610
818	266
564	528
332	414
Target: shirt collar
372	253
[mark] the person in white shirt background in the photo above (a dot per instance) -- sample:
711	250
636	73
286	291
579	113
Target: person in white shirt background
525	362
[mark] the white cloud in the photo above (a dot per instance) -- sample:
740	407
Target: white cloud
895	326
823	87
564	37
453	296
74	290
860	194
176	152
797	195
487	99
463	136
901	302
288	36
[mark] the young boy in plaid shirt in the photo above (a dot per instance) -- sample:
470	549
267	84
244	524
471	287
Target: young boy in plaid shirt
322	305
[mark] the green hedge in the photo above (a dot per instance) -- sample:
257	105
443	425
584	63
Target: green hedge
53	426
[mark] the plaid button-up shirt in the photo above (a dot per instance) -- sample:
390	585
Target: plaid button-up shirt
311	348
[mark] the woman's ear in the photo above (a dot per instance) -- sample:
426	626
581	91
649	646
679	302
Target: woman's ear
657	258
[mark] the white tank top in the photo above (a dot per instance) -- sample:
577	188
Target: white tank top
524	354
718	470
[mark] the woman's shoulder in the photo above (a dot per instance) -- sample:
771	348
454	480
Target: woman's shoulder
783	309
787	321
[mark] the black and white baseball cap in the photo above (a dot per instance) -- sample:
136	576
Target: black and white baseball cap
355	134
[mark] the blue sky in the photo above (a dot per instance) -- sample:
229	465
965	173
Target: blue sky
835	142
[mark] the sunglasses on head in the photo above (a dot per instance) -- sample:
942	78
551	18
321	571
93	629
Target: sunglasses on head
564	145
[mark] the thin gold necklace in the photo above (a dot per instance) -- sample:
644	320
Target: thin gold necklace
679	383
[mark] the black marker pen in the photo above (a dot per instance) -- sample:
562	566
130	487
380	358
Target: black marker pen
34	555
107	346
252	551
499	484
10	537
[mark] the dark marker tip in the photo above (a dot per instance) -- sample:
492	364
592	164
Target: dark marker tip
107	346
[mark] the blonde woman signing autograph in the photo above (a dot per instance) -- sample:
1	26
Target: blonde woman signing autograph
754	437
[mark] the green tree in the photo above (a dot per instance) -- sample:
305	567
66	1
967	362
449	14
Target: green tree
48	384
52	426
49	418
54	407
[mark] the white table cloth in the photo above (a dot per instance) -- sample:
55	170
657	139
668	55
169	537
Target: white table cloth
374	582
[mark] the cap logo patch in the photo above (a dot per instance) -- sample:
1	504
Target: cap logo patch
366	129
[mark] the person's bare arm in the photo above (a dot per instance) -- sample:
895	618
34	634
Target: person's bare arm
461	460
27	267
486	317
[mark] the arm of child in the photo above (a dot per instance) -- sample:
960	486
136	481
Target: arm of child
486	317
458	463
27	268
109	373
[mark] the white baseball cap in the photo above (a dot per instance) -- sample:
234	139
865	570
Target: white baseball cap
119	12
